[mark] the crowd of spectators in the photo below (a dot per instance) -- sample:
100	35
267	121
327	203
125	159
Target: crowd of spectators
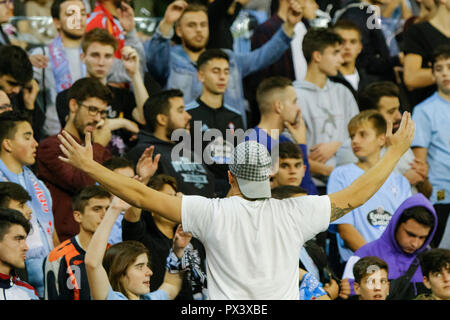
169	111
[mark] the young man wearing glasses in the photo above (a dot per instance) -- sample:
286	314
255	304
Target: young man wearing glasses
88	101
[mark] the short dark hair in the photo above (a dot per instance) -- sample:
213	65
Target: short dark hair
267	87
9	121
14	62
290	150
318	40
55	9
284	192
158	103
432	261
98	35
12	191
420	214
157	182
365	266
117	163
344	24
442	52
210	54
82	198
369	97
10	217
86	88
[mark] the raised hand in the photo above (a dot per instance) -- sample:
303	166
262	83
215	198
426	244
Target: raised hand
126	17
174	11
294	15
30	92
75	154
147	165
180	240
119	205
402	139
130	60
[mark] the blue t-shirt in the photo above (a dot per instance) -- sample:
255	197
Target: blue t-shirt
155	295
262	137
116	232
432	118
372	217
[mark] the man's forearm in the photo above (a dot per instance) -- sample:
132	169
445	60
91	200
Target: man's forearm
363	188
352	238
140	95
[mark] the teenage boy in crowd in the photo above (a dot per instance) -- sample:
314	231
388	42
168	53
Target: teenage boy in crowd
98	55
366	223
165	116
88	101
431	141
408	234
64	268
291	168
17	152
214	221
326	106
209	112
14	229
349	74
384	97
435	266
371	279
174	66
279	110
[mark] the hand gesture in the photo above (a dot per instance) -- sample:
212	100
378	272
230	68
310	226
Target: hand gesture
130	60
298	129
30	92
180	240
174	11
118	205
147	165
294	15
39	61
126	17
102	133
344	289
402	139
322	152
75	154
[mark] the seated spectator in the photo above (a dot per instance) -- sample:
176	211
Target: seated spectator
125	167
407	235
5	103
98	52
384	97
14	229
350	75
367	131
14	196
421	40
88	100
174	66
435	266
326	106
209	112
119	274
164	114
279	109
157	234
291	168
431	145
375	57
371	279
6	12
64	267
17	153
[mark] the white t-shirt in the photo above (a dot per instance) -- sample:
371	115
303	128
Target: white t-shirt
353	79
252	247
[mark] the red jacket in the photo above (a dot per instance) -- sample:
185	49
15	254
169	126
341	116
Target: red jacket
64	181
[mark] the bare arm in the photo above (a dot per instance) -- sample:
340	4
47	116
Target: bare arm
414	75
424	187
352	238
363	188
128	189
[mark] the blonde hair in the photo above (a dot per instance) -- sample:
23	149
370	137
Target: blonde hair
371	116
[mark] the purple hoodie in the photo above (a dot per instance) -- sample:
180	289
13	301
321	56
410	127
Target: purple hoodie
387	248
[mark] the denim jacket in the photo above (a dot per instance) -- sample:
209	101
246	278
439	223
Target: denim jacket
172	67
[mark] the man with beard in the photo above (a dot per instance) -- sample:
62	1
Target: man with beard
384	97
175	66
164	113
88	99
59	64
